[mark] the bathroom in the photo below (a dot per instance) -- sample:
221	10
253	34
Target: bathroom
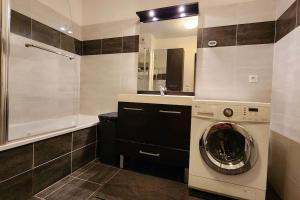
149	99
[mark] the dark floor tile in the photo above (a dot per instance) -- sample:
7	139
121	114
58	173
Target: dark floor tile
131	44
84	168
128	185
45	34
67	43
112	45
75	190
15	161
286	22
20	187
84	137
99	173
224	35
52	148
83	156
46	192
256	33
20	24
91	47
51	172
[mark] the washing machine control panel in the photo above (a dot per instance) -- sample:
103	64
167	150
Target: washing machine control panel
233	112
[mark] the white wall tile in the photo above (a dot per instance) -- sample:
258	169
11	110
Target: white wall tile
282	6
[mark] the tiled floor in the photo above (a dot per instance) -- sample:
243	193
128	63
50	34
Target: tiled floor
97	181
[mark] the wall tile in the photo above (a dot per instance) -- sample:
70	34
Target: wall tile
287	22
200	38
131	44
78	47
20	24
112	45
67	43
256	33
91	47
45	34
83	156
298	14
224	35
84	137
15	161
50	173
19	187
47	150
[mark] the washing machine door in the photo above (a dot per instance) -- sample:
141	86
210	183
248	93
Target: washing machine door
228	148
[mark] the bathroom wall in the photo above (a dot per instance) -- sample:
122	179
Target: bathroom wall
245	47
284	173
109	65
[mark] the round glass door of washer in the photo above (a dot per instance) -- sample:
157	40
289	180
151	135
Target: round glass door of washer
228	148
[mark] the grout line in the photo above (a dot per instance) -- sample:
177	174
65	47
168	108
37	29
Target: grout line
85	169
15	176
84	146
105	182
52	160
98	189
56	188
85	180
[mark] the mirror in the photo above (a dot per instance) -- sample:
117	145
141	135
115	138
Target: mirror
167	55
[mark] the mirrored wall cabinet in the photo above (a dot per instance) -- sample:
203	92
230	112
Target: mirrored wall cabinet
167	51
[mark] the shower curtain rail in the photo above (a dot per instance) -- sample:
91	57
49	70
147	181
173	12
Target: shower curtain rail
49	50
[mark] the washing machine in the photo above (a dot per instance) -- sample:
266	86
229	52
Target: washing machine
229	148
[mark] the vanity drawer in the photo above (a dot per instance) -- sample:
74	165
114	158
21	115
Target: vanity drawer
154	153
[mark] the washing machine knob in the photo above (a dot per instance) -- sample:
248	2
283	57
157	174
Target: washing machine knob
228	112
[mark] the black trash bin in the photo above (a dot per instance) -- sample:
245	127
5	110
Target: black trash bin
107	132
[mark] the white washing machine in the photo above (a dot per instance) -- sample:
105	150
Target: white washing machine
229	148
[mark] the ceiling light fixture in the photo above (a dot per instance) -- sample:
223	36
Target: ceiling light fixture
151	13
191	24
181	9
154	19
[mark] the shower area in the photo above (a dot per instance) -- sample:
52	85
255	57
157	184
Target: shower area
40	68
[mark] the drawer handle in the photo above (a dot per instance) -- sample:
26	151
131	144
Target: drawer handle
149	154
170	112
135	109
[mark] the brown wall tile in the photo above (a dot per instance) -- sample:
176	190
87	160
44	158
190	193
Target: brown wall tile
298	13
83	156
19	187
286	22
45	34
67	43
51	172
112	45
84	137
91	47
15	161
49	149
131	44
256	33
224	35
20	24
78	47
200	38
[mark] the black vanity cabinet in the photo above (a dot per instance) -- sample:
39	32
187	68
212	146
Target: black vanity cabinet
154	132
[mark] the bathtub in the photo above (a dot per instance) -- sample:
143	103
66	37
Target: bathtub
21	134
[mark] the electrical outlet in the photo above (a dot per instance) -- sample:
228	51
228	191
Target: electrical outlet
253	78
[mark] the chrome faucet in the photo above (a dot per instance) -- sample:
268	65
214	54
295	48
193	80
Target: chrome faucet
163	90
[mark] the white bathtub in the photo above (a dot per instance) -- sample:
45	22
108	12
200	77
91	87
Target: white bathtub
21	134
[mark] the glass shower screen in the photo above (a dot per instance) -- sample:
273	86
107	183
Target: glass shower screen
44	67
